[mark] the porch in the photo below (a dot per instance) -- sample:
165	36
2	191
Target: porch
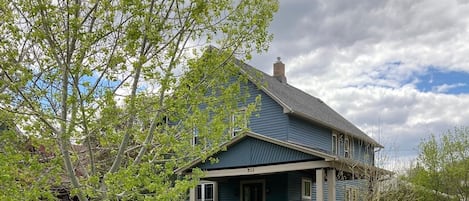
257	168
260	184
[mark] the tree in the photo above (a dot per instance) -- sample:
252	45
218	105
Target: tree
117	88
442	170
19	161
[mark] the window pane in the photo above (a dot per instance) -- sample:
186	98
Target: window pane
198	192
347	147
306	185
208	191
238	121
307	188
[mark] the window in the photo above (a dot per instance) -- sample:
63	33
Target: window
238	122
306	188
195	136
347	147
334	144
351	194
205	192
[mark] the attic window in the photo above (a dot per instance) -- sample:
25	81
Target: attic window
238	122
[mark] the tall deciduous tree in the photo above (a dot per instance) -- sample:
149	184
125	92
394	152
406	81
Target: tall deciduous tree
442	170
117	89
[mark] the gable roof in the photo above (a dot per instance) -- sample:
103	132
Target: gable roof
297	102
238	138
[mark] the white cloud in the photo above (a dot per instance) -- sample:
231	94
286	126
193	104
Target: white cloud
446	87
361	58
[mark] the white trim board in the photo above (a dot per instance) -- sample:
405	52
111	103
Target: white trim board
267	169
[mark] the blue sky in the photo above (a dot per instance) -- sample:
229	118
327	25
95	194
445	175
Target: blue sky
397	69
441	81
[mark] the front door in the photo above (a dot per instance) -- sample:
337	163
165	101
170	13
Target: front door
252	191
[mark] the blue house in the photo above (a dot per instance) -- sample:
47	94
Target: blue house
297	148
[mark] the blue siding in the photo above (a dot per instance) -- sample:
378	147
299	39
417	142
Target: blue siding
228	190
275	187
294	185
326	191
272	122
252	152
306	133
270	119
362	152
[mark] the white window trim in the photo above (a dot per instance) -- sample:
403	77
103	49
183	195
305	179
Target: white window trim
238	128
192	196
303	181
351	193
347	147
195	136
262	181
336	143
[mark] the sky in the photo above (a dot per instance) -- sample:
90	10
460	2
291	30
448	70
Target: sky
398	69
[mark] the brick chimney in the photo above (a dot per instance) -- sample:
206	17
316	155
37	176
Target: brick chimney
279	71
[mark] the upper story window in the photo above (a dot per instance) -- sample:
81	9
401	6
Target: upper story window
306	189
347	147
205	191
238	121
335	144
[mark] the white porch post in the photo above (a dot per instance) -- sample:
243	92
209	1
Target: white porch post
320	184
331	181
192	194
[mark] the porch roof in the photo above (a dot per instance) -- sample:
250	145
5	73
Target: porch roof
249	134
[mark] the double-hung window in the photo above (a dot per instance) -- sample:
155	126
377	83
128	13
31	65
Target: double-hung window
238	121
335	144
205	191
306	188
347	147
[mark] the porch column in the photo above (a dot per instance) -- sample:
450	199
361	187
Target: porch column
192	194
319	184
331	178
